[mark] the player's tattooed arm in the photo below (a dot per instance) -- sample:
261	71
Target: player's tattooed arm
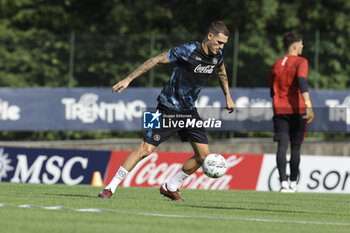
146	66
149	64
221	73
223	82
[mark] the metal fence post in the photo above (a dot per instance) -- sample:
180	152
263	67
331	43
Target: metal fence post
235	58
71	59
234	67
71	70
317	57
152	45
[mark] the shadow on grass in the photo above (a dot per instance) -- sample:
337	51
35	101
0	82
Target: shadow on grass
244	209
265	210
69	195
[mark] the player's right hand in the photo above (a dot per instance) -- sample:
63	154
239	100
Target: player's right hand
121	85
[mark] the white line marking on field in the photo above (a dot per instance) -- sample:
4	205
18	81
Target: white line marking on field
56	208
28	206
89	210
180	215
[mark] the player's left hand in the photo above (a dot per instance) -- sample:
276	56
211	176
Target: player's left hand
309	112
309	115
230	105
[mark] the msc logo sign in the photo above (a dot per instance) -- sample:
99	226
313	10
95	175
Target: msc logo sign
151	120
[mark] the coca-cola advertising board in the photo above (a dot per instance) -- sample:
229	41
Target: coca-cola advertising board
153	171
72	167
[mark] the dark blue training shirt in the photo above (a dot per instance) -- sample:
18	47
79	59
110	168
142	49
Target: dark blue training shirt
192	69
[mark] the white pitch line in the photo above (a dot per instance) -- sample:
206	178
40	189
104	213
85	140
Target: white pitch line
180	215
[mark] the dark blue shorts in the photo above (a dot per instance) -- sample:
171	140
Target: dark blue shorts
192	134
289	126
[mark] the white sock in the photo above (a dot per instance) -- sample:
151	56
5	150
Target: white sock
118	177
284	184
174	183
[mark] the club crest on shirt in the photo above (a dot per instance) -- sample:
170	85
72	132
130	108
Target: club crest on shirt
215	61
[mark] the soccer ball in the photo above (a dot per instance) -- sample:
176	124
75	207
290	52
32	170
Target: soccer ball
214	165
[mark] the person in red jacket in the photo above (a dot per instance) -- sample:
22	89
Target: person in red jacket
292	107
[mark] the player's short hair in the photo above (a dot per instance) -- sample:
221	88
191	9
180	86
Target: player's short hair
217	27
289	38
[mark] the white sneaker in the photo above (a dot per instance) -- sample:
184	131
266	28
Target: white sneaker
293	189
284	187
284	190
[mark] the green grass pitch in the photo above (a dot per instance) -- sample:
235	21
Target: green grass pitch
145	210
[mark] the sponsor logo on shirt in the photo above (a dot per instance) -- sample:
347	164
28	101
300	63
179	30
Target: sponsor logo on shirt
204	69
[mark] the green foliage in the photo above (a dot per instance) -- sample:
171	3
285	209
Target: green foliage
113	38
32	58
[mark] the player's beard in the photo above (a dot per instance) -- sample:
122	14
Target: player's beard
213	51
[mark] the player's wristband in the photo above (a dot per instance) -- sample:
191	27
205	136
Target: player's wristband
308	104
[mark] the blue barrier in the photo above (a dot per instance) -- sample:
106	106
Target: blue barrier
98	109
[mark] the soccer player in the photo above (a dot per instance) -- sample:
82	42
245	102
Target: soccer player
292	107
193	62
